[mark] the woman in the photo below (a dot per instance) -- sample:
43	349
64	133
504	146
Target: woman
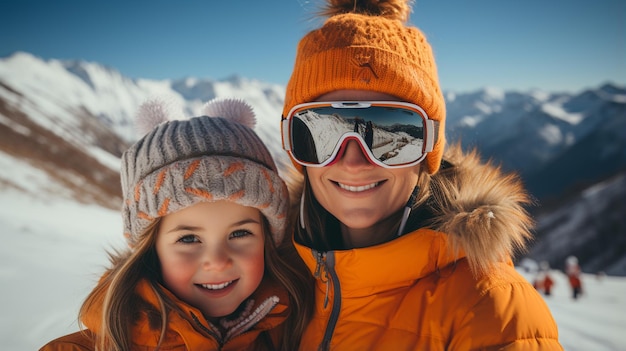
411	248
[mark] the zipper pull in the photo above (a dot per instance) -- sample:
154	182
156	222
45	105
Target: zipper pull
321	273
320	258
326	297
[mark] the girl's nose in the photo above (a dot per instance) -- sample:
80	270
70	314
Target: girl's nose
353	156
215	259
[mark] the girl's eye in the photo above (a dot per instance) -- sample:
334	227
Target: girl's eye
240	234
188	239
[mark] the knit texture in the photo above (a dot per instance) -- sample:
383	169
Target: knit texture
183	162
361	52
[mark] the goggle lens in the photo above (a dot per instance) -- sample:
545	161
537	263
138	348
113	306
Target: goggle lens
391	134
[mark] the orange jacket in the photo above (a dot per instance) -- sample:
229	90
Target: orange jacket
418	293
183	335
409	294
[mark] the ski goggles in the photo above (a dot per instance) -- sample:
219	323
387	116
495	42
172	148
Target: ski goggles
391	134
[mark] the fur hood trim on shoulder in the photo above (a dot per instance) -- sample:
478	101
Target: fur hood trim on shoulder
481	209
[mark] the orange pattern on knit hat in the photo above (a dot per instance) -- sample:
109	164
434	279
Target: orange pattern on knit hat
269	180
234	167
163	210
191	169
138	190
200	192
160	179
236	196
359	51
145	216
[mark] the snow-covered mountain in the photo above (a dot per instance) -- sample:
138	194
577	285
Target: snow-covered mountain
555	141
74	120
64	125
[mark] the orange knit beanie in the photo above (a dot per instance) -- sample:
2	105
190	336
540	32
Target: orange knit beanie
365	45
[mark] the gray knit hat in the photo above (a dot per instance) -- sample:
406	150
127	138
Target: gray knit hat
179	163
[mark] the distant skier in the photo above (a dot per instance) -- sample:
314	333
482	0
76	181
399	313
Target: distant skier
572	269
543	281
547	285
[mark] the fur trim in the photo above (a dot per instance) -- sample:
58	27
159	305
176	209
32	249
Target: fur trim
481	209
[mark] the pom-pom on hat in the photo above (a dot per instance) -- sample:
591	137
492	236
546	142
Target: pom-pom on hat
181	162
365	45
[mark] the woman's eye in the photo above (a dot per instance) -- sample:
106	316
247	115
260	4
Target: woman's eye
188	239
240	234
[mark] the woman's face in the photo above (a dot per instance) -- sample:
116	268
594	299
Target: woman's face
358	193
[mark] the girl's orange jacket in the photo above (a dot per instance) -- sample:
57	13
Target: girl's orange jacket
182	334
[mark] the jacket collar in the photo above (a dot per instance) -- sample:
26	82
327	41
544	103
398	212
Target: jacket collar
393	264
266	309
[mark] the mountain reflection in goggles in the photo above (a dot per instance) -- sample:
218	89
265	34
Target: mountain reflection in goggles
391	134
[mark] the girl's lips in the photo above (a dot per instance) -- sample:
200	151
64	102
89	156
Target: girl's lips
216	286
218	290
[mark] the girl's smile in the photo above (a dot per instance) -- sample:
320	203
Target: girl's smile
217	286
215	291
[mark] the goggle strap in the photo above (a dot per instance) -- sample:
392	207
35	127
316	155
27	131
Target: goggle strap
407	209
302	210
431	126
286	139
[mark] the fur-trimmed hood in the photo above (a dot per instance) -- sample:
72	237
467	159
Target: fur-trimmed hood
480	208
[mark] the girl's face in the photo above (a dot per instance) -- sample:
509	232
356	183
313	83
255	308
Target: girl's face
358	193
212	255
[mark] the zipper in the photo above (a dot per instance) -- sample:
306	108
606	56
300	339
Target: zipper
321	273
267	305
325	269
208	331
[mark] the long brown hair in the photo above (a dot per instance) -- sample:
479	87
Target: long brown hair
284	265
120	306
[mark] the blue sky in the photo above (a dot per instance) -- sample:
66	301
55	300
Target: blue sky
556	45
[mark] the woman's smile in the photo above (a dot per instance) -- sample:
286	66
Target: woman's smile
358	189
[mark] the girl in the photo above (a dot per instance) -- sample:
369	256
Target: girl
204	216
410	247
